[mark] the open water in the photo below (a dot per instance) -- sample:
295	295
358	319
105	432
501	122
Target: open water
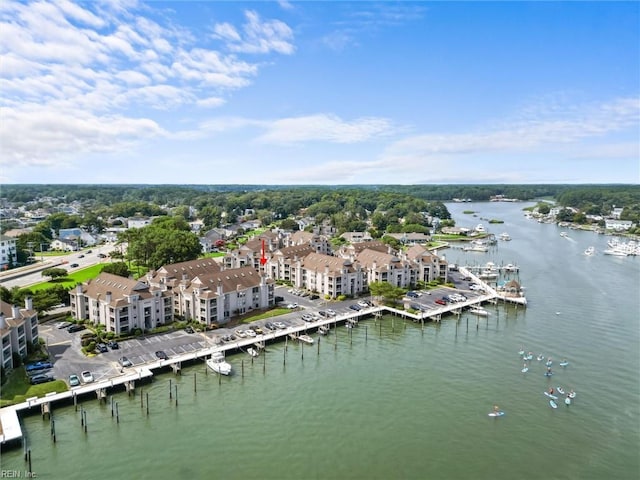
394	400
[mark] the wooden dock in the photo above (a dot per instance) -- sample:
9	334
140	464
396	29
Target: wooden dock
11	431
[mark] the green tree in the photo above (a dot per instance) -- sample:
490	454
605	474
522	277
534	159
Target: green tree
117	268
54	272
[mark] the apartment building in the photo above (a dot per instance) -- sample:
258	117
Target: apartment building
18	330
121	304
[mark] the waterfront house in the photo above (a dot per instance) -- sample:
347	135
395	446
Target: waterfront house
18	330
121	304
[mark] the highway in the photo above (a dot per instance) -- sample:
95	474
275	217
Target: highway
32	274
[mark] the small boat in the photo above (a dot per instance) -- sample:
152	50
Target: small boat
567	401
564	234
323	329
590	251
253	352
560	390
218	364
564	363
306	339
479	311
540	357
504	236
572	394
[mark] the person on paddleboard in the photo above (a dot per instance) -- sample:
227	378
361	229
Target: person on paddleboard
551	391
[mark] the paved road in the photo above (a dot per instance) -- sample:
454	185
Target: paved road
33	273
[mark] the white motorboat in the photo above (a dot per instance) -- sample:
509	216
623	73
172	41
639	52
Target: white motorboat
476	248
590	251
218	364
505	236
305	338
323	329
253	352
615	251
564	234
510	267
479	311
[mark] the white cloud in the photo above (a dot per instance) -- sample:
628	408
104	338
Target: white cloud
39	136
526	134
97	63
322	127
258	36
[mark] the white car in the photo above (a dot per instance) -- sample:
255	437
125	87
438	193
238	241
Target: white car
241	333
292	306
280	325
330	312
86	377
250	333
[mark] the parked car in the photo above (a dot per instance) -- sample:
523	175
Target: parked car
270	326
314	297
331	313
80	256
440	301
74	380
280	325
189	330
322	313
62	325
40	378
161	355
76	327
355	307
102	347
86	376
412	294
125	362
364	303
292	306
89	251
113	345
307	318
42	365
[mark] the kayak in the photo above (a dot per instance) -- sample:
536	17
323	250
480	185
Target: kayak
560	390
551	396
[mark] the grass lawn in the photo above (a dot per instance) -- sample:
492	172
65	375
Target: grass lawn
214	254
70	280
271	313
17	388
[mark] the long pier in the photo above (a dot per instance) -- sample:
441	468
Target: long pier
11	432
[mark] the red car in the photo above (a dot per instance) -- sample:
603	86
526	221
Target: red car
439	301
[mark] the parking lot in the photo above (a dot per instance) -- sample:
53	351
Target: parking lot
67	357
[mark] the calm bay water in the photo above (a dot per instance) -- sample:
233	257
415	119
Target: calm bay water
395	400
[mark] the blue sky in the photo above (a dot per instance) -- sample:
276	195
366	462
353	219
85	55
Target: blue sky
319	92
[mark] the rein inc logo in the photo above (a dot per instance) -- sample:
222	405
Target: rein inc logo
17	474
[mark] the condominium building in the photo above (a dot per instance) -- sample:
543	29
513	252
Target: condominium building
18	330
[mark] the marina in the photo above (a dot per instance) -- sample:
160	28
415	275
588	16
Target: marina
295	397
